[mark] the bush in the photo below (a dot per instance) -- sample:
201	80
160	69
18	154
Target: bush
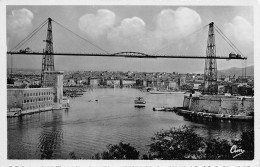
183	143
72	155
120	151
176	143
217	149
246	143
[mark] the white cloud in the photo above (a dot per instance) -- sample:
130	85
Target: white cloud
176	24
95	25
19	23
129	34
130	27
239	30
132	33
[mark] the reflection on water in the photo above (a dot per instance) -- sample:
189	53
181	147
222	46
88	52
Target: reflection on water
51	136
90	125
226	129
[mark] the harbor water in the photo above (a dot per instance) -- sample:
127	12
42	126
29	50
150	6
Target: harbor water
101	117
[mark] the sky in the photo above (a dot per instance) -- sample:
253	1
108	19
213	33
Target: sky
176	30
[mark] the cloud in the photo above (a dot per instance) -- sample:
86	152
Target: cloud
133	34
19	23
176	24
96	25
129	34
239	30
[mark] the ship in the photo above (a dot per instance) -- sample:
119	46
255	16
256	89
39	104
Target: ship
140	102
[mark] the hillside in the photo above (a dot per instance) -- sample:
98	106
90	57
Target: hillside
237	71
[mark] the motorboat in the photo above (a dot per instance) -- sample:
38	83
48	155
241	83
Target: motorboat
139	102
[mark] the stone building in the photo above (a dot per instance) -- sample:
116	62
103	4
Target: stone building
54	79
30	99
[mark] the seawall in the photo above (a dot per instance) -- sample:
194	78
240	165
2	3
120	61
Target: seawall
220	104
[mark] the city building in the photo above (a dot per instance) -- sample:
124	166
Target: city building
113	82
94	82
30	99
54	79
128	82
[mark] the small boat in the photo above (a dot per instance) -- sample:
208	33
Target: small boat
14	112
140	102
159	109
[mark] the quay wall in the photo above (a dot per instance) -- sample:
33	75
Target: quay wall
220	105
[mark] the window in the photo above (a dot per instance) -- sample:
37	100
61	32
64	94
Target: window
36	94
30	94
27	101
24	101
31	100
24	95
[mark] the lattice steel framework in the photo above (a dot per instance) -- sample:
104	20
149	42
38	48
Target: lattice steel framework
48	59
210	71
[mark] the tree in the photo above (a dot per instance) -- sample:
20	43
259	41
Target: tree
177	143
218	149
183	143
72	155
120	151
246	143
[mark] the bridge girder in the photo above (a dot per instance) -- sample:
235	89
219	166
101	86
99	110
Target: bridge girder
130	56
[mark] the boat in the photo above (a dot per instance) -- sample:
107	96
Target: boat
163	108
167	92
14	112
159	109
140	102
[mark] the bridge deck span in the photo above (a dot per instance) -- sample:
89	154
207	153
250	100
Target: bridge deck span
130	55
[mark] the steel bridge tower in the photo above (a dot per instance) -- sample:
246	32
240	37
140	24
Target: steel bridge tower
210	71
48	59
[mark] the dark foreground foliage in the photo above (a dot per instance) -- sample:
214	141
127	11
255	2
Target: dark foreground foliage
183	144
217	149
246	143
120	151
176	143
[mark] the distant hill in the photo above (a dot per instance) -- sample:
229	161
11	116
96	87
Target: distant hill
23	69
237	71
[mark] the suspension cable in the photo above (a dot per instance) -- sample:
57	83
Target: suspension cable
230	42
28	37
80	36
180	39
